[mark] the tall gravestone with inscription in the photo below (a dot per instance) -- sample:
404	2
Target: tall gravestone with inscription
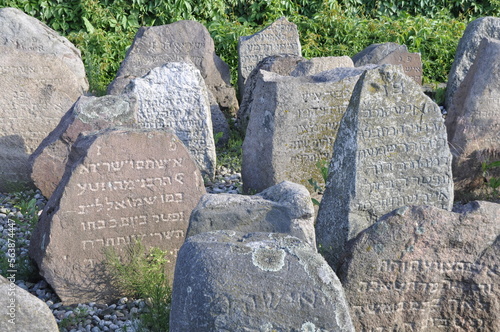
88	114
293	124
182	41
120	186
422	268
391	150
392	54
175	96
42	75
232	281
473	122
281	37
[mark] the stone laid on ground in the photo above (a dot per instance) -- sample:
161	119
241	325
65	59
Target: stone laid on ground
284	65
392	54
281	37
21	311
421	268
175	96
42	75
229	281
293	125
391	150
473	122
284	208
121	186
466	52
88	114
182	41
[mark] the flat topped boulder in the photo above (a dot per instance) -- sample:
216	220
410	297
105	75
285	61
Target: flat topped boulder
421	268
232	281
182	41
284	208
88	114
281	37
120	186
391	150
42	75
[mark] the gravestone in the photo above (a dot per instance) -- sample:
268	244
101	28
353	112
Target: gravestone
422	268
175	96
281	37
88	114
284	208
391	150
42	75
466	52
473	122
232	281
182	41
120	186
392	54
293	124
284	65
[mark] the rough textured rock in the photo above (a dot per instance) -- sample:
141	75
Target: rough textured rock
23	312
182	41
391	54
466	52
229	281
175	96
281	37
88	114
473	122
220	126
426	269
284	208
119	186
42	75
284	65
391	150
293	125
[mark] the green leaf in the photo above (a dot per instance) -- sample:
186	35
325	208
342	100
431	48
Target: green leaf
90	28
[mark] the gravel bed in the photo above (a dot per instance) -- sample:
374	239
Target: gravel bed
91	317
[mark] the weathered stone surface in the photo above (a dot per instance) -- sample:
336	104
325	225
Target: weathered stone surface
391	150
175	96
473	122
42	75
229	281
23	312
219	122
182	41
391	54
48	162
284	208
281	37
293	125
466	52
119	186
284	65
421	268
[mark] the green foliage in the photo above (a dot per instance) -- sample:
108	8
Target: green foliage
322	166
491	181
79	315
229	156
141	274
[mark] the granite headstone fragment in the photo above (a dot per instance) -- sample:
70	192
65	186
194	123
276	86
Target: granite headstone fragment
88	114
391	150
42	75
175	96
284	208
281	37
182	41
392	54
120	186
421	268
466	52
229	281
293	125
473	121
